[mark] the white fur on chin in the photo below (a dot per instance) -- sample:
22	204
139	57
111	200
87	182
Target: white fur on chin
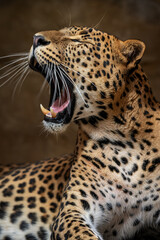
54	127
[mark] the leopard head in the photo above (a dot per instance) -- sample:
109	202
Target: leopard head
86	71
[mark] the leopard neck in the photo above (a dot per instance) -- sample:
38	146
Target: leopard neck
130	133
131	107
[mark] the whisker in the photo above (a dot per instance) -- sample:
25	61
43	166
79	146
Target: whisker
18	81
45	69
59	90
12	69
65	86
13	62
65	89
76	72
70	17
68	77
99	22
25	76
52	78
44	84
64	82
55	85
14	75
14	55
86	78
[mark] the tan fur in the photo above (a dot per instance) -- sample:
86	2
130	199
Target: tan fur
109	189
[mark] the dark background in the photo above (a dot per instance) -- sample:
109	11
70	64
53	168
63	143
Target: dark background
22	137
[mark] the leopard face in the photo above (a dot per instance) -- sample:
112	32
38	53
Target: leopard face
85	69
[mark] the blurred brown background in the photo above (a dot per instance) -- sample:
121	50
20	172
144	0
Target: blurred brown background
21	135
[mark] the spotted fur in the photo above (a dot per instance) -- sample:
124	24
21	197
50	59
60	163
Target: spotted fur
110	187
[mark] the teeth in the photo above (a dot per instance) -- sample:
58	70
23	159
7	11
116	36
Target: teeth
44	110
48	113
52	112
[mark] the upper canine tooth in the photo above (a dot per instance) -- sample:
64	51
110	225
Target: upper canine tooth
44	110
52	112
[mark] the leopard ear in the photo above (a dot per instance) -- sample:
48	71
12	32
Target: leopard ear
131	52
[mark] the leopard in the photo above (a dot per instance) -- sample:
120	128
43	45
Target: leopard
109	187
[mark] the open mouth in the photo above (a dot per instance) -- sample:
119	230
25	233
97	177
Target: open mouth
62	98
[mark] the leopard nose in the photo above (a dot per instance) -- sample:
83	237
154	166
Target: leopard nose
39	40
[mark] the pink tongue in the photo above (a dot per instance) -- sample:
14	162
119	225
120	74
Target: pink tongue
60	104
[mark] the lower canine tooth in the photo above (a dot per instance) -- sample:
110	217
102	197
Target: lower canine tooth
52	112
49	115
44	110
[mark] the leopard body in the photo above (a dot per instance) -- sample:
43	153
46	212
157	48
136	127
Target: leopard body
110	187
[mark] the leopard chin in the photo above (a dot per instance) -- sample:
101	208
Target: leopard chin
54	127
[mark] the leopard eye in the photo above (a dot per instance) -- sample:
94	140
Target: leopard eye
75	40
83	32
